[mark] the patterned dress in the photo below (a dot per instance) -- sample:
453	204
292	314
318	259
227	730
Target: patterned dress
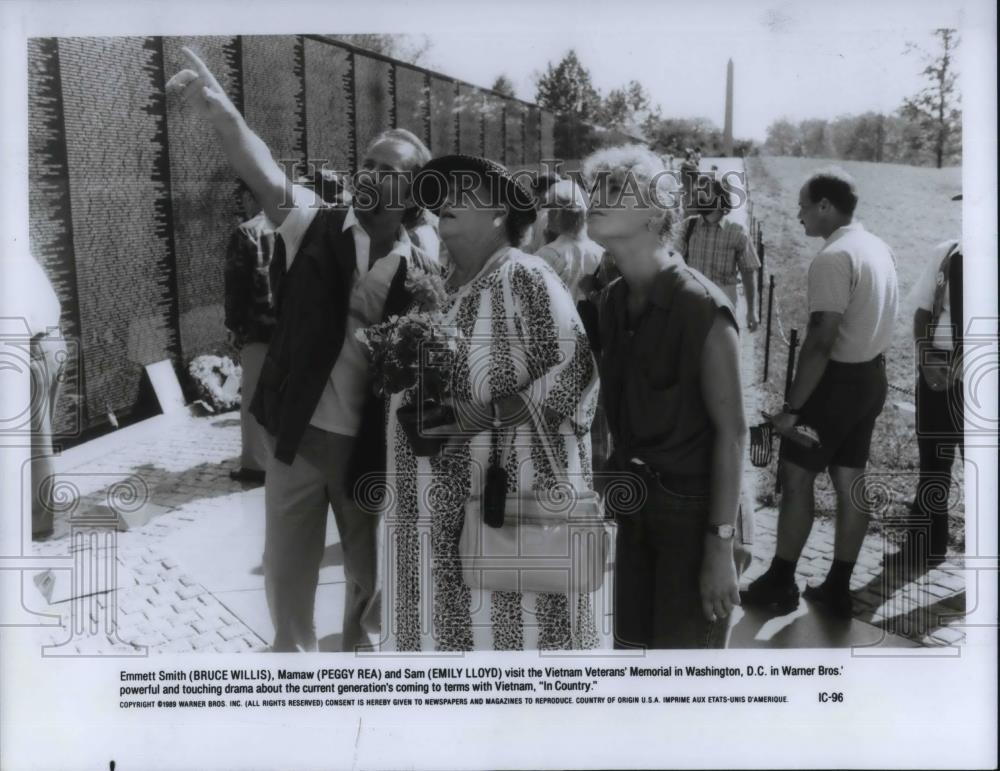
538	349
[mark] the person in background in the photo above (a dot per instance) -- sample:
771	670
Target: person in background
578	261
572	254
689	179
839	390
718	247
540	234
335	269
937	329
670	384
249	317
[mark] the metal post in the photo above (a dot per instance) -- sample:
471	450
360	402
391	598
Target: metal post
767	336
792	345
760	275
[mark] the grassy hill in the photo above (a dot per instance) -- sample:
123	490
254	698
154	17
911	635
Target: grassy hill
908	207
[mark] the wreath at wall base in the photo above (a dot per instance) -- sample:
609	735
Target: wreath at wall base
216	381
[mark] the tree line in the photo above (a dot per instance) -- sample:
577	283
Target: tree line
925	130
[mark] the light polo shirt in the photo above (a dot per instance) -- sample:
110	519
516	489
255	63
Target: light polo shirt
855	274
340	406
923	293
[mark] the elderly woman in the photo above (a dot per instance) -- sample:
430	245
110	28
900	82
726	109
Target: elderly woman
669	366
522	346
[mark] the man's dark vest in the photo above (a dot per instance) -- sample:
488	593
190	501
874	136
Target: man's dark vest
312	300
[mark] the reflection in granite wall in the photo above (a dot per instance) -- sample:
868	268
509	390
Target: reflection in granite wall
514	134
532	129
412	104
493	128
372	101
470	120
203	191
330	111
548	147
444	117
119	185
49	219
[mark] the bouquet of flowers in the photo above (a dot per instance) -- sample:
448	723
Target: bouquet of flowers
217	381
412	350
416	350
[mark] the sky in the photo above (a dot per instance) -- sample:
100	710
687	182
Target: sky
790	60
793	58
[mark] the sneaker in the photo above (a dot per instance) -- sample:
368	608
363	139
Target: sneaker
767	592
839	603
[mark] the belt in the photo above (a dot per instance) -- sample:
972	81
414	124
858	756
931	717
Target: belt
876	362
682	484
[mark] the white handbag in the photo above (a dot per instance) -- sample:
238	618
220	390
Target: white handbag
551	541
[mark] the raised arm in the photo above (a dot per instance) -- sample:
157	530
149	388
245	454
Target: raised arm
246	152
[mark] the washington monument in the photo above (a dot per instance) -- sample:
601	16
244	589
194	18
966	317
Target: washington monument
728	130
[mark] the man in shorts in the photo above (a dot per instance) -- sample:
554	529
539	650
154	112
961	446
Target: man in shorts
838	392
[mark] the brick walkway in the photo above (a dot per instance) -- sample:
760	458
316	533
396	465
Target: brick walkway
182	471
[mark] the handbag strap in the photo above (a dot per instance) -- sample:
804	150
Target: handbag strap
538	423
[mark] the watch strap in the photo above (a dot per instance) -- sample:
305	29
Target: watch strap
725	532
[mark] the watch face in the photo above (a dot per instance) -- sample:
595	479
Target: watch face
724	531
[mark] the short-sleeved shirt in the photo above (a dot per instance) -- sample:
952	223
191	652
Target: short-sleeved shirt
717	250
340	407
854	274
572	258
923	293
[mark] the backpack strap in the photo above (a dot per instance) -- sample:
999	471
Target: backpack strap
941	285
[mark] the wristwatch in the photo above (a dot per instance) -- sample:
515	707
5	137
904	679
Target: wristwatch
725	532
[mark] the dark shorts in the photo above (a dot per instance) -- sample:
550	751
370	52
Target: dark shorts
842	410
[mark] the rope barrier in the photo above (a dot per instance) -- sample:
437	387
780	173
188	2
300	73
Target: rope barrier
781	327
907	391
